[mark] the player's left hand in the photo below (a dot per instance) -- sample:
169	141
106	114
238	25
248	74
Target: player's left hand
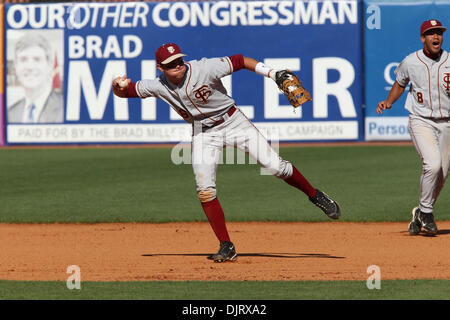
292	87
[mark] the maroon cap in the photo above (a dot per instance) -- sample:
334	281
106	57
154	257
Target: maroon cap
431	24
167	53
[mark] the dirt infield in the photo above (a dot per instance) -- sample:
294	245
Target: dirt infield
178	251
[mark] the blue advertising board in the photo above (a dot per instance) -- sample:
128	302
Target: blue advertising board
89	44
391	32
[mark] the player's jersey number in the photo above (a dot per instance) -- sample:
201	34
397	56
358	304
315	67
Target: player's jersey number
419	97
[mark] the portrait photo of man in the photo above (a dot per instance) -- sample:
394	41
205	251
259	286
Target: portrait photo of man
34	83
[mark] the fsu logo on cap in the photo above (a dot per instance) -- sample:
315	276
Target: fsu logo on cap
433	22
171	49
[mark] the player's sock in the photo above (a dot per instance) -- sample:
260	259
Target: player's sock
216	218
298	181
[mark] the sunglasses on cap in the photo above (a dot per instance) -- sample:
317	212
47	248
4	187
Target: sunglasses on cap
173	64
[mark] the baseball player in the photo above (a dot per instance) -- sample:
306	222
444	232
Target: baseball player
428	101
195	91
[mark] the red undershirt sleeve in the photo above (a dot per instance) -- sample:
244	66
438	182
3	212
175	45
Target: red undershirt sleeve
237	61
131	92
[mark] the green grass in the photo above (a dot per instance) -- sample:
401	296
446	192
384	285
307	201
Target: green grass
371	183
233	290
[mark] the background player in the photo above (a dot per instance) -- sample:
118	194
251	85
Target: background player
195	91
428	101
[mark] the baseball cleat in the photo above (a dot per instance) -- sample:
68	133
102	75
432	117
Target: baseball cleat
227	252
415	226
427	221
328	206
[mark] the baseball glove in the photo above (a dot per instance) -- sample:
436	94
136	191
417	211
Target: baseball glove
292	87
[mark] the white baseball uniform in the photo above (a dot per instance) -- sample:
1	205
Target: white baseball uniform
202	100
428	102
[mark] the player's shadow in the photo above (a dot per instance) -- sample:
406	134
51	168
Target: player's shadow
423	234
257	255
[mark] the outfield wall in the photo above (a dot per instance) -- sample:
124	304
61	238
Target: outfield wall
94	42
91	43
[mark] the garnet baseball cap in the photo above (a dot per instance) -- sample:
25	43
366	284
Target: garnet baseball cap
431	24
167	53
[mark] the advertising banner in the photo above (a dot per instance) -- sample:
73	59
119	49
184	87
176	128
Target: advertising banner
2	76
62	59
392	32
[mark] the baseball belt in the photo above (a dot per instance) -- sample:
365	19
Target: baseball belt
230	112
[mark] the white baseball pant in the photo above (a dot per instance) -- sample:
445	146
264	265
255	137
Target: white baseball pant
237	131
431	139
